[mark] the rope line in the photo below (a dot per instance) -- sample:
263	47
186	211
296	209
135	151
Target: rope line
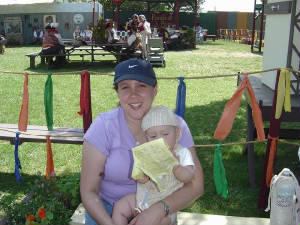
162	78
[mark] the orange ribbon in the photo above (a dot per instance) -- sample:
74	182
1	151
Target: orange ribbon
225	124
50	164
272	153
23	116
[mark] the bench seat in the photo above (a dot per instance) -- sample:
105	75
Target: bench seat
63	135
185	218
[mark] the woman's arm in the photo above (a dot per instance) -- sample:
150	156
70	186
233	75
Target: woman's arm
180	199
93	162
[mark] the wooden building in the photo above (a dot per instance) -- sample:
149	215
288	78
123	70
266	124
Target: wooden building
20	17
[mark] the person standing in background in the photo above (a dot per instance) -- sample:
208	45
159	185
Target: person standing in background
145	30
38	35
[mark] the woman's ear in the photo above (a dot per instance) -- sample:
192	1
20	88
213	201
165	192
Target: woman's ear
178	133
155	89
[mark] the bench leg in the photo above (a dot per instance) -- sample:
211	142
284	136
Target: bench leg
43	60
250	147
32	62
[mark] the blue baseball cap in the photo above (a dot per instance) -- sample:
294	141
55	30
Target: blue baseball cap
135	69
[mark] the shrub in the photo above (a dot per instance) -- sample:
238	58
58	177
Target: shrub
49	202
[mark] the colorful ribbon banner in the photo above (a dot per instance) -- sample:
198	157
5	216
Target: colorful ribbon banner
17	160
180	100
230	110
48	102
85	100
219	173
50	163
23	116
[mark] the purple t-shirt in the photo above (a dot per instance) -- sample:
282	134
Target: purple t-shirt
110	134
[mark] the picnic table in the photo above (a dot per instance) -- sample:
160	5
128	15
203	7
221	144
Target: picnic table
120	50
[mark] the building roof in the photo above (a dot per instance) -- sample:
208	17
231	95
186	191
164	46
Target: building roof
24	2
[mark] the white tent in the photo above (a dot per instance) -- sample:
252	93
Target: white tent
24	2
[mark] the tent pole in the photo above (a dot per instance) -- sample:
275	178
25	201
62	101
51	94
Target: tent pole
176	14
253	26
196	13
118	15
93	15
261	25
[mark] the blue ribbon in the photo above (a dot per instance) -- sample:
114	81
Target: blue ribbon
180	101
17	160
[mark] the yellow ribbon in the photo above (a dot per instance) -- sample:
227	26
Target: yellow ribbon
283	93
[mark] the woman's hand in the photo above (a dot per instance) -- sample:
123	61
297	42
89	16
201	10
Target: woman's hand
153	215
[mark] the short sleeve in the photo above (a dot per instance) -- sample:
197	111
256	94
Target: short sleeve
186	139
185	157
97	135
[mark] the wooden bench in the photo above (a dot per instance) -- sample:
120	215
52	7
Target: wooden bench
62	135
185	218
211	36
32	57
44	58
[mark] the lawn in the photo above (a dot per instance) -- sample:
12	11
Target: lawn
204	105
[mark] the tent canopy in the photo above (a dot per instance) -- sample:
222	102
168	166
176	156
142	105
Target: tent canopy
24	2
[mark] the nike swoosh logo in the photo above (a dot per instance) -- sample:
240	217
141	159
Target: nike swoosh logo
132	66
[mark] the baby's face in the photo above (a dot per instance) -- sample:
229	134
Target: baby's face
168	133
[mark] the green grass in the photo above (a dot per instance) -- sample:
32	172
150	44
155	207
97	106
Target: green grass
204	105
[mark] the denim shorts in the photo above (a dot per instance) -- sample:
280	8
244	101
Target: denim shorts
90	221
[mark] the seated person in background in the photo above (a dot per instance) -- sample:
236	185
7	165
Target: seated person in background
159	122
163	32
88	33
2	44
111	32
78	36
53	44
38	36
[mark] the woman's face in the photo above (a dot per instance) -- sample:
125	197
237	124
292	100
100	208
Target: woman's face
136	98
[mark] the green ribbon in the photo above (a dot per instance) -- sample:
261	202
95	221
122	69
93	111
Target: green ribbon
219	173
48	102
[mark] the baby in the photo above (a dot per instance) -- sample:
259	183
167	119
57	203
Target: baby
159	122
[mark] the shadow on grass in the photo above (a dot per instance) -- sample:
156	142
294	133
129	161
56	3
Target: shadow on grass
105	66
10	185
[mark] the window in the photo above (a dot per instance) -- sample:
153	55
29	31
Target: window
13	25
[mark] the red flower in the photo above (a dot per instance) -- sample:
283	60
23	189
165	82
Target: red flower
42	213
30	217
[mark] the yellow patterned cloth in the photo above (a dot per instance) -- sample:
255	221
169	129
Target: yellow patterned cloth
283	93
148	194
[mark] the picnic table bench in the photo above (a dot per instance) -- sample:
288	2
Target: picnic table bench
92	49
185	218
62	135
44	58
210	36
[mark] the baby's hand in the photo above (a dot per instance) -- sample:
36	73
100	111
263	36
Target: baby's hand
176	168
143	180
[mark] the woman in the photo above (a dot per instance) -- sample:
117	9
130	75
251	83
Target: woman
145	31
107	158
